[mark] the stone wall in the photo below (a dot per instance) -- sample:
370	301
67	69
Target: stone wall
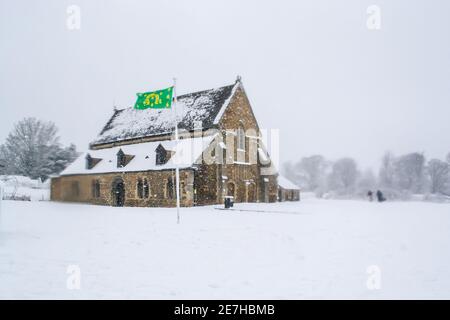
79	188
245	174
288	194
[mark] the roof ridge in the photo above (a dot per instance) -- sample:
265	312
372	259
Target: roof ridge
186	94
204	91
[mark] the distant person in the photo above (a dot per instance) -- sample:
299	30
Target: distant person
370	195
380	196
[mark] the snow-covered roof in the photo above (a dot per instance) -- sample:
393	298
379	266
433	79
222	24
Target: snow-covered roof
205	106
287	184
263	155
268	168
186	153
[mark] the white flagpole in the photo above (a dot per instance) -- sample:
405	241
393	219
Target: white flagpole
177	170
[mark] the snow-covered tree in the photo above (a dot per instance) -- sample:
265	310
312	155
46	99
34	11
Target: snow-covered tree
290	171
3	164
343	176
32	149
410	172
367	181
387	170
312	169
439	174
60	158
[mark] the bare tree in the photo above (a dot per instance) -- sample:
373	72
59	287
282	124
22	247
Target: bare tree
387	170
439	173
312	170
294	175
343	176
367	181
410	172
32	149
3	163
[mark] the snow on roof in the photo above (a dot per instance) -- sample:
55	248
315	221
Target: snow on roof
263	155
204	106
287	184
186	153
264	158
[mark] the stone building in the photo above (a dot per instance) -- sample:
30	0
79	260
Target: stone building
132	162
287	190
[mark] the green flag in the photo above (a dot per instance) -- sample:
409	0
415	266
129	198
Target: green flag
161	99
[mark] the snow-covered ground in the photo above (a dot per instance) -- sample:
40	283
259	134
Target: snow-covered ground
309	249
20	187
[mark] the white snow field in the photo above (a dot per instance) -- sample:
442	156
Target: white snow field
308	249
24	187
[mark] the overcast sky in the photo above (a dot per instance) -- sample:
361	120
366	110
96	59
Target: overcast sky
311	68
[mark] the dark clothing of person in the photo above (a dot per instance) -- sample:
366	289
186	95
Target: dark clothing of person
380	196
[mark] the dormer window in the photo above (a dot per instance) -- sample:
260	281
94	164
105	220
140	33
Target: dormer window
162	155
91	162
121	159
88	161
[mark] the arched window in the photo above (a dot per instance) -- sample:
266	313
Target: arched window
75	189
140	192
95	188
183	190
146	189
169	188
241	138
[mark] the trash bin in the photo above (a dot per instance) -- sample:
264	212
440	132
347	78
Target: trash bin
228	202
